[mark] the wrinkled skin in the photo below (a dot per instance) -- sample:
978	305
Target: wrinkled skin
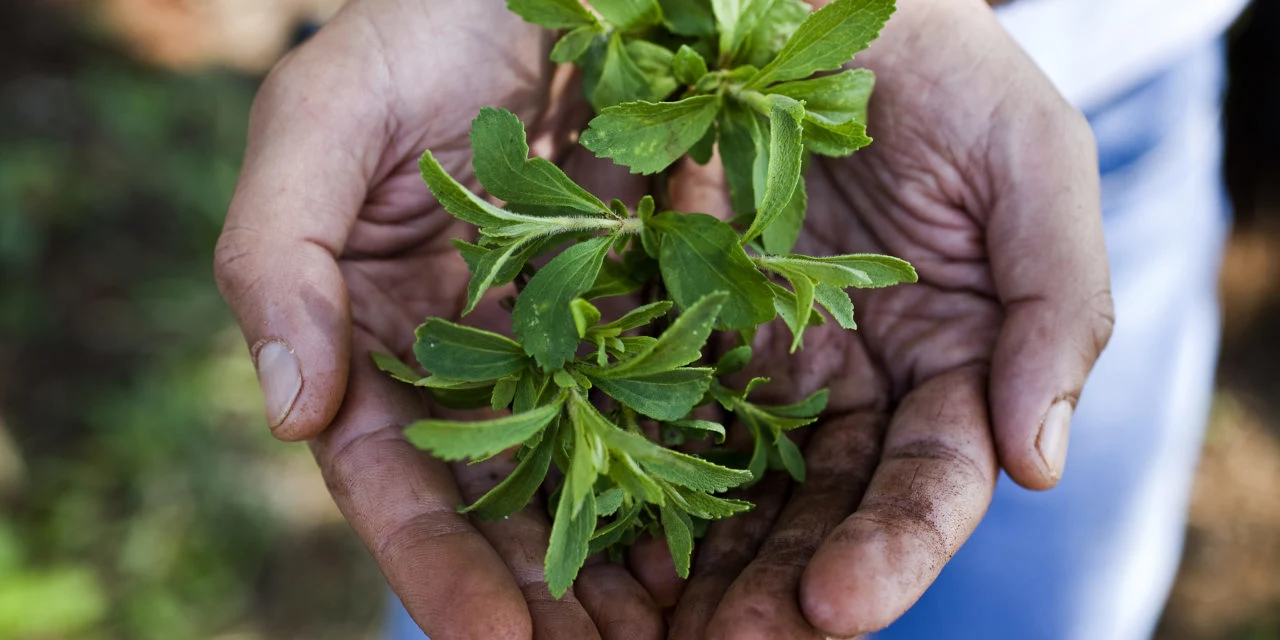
980	175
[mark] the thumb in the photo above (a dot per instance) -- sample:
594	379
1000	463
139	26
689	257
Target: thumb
1050	267
304	179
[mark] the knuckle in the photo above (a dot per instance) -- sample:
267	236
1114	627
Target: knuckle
1102	319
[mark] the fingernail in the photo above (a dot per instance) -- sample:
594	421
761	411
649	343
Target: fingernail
1052	440
280	378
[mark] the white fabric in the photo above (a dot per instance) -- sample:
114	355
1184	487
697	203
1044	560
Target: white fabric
1094	50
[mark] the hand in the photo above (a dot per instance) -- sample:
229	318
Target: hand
334	247
986	180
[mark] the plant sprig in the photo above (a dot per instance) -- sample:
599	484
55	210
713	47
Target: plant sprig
668	78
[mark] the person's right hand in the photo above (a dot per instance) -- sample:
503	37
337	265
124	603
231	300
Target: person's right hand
334	247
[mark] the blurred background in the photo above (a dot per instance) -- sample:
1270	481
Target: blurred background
140	493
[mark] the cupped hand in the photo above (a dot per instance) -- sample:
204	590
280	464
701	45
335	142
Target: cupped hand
986	180
333	247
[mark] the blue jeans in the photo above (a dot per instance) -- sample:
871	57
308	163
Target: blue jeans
1094	559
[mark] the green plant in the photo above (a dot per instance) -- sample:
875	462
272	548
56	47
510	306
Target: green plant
742	74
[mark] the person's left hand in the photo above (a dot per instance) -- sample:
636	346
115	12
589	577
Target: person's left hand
986	180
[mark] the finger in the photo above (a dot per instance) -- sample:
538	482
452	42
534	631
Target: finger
650	561
1050	268
304	179
932	486
618	604
763	601
403	504
728	547
521	541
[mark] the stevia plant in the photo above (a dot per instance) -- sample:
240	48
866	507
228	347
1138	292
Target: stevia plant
668	78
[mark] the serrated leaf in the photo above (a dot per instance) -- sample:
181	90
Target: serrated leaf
584	463
626	472
840	97
455	440
629	14
739	133
504	391
834	139
506	171
702	426
669	395
552	14
734	360
700	255
542	318
471	253
786	157
821	271
702	151
614	531
528	391
688	17
802	286
710	507
573	44
465	353
392	366
792	459
613	280
829	38
884	271
688	65
781	236
679	538
516	490
649	137
679	345
673	466
460	202
836	301
772	31
569	543
639	317
608	502
810	407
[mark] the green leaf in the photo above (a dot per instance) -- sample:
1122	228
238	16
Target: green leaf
573	44
613	532
503	166
669	395
772	31
655	61
827	40
629	15
504	391
455	440
836	301
786	156
608	502
884	271
734	360
460	202
516	490
834	139
465	353
639	317
570	541
679	538
802	286
710	507
781	236
810	407
553	14
679	345
673	466
688	65
840	97
701	426
585	463
688	17
700	255
542	318
613	280
585	315
736	20
738	130
649	137
621	79
826	272
792	459
392	365
702	151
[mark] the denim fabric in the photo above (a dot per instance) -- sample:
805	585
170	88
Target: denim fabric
1094	558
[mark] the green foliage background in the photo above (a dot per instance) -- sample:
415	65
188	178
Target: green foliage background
141	495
